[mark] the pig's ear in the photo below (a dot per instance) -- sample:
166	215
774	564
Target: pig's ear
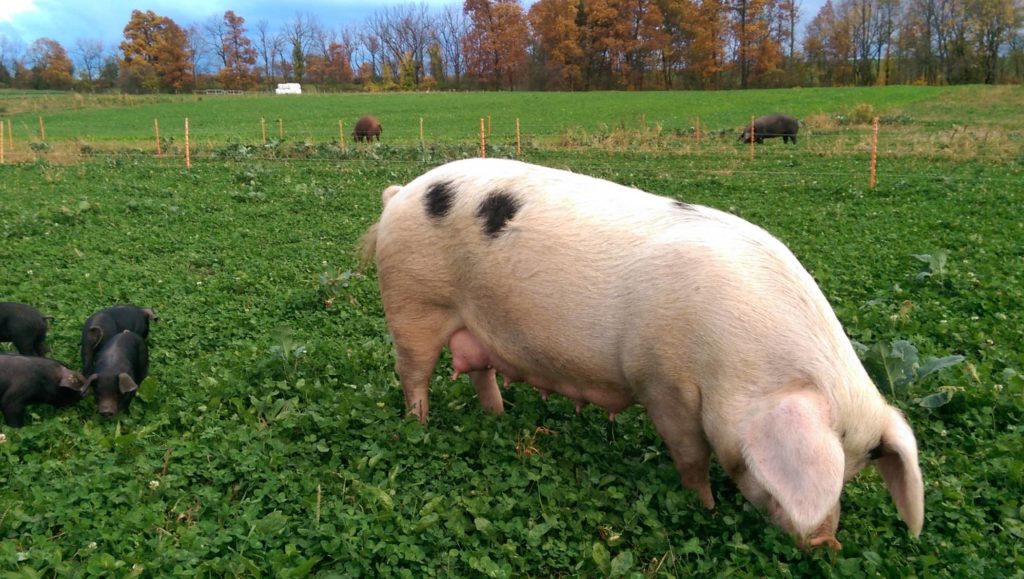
791	450
899	468
73	381
95	334
90	381
388	194
149	313
126	384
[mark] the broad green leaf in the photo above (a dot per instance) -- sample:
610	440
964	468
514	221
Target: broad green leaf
937	399
622	563
601	557
935	364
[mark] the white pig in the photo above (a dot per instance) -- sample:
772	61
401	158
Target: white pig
612	296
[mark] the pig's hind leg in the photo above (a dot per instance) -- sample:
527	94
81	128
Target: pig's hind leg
419	332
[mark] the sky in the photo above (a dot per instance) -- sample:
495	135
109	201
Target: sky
25	21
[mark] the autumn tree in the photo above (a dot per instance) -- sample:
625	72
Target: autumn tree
495	45
828	47
51	66
995	22
269	49
556	38
450	28
88	55
404	34
238	72
756	53
154	54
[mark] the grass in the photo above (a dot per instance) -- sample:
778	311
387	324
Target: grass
270	439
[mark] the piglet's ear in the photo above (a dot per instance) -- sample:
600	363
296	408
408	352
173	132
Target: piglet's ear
126	384
95	334
898	465
791	450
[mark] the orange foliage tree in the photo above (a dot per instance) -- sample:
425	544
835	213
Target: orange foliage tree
495	45
239	71
556	40
51	67
154	54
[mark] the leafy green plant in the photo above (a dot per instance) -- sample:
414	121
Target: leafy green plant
896	366
934	264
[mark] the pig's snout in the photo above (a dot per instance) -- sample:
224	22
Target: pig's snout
107	408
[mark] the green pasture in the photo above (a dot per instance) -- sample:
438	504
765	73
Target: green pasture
455	117
270	438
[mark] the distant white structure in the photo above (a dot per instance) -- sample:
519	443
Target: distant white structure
288	88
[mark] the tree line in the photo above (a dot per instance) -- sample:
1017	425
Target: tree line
550	45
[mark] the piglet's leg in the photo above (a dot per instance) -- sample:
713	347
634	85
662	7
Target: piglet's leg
486	386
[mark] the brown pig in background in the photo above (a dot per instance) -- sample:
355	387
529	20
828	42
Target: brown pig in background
612	296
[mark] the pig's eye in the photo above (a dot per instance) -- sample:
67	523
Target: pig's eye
875	452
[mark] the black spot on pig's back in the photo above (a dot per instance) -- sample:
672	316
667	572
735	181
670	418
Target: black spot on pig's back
496	210
439	199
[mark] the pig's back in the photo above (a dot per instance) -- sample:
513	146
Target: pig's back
550	268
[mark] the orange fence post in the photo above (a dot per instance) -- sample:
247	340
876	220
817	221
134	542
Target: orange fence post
341	131
42	129
698	129
1	141
10	135
752	139
421	131
188	154
874	152
263	129
483	140
156	129
519	150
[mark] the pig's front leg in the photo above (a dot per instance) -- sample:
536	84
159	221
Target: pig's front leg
486	385
678	422
14	414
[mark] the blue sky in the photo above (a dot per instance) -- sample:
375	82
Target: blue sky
24	21
65	21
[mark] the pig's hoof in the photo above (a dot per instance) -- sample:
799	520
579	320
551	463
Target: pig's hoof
829	541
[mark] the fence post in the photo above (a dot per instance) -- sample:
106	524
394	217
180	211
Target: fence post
752	139
263	129
42	129
483	140
519	150
421	132
1	141
156	128
10	135
188	154
874	151
280	128
698	130
341	130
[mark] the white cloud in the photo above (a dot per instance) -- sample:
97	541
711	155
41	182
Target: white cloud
11	8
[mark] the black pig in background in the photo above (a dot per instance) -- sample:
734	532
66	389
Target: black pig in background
25	327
